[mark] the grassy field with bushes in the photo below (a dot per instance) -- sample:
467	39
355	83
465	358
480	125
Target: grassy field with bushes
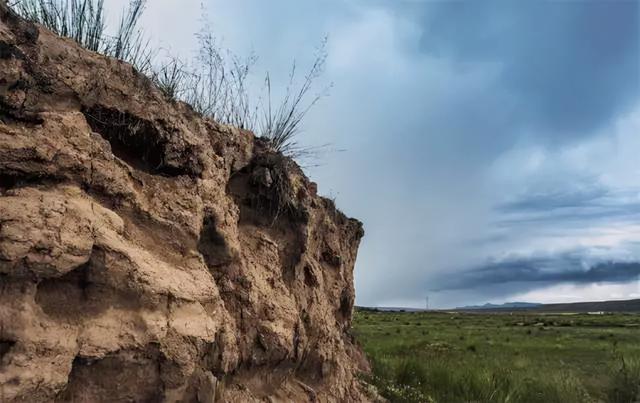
481	357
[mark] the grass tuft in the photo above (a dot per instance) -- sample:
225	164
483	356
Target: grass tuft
281	124
80	20
84	22
625	383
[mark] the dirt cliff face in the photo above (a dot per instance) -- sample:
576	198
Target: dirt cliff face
148	254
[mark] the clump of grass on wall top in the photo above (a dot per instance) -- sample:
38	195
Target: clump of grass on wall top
215	84
81	20
84	22
281	123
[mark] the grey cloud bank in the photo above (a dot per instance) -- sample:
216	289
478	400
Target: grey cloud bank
562	268
474	132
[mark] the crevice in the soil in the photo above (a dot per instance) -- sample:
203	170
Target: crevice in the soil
330	257
8	51
5	347
12	115
125	375
67	296
310	278
80	295
213	246
136	141
346	305
14	180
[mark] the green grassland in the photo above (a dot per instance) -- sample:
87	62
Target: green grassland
501	357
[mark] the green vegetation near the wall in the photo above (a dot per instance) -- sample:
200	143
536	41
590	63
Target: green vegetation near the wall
456	357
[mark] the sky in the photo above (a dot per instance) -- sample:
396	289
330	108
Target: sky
489	147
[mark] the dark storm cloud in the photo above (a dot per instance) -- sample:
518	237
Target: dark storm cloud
586	205
558	199
563	268
571	65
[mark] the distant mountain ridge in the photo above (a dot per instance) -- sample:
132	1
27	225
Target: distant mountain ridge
518	305
631	305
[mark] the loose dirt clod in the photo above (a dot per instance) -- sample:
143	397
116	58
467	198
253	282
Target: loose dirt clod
148	254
